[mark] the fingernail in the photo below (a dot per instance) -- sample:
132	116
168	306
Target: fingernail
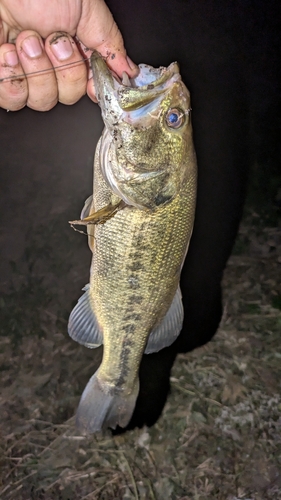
11	58
32	47
62	48
132	65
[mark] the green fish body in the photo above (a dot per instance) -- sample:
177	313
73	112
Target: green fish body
145	159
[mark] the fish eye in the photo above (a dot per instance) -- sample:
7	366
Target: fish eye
175	118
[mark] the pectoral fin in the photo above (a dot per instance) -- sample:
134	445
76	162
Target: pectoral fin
169	329
87	207
82	324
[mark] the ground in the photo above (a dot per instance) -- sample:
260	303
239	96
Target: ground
220	434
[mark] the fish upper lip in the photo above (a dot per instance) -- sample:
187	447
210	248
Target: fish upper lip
165	74
117	98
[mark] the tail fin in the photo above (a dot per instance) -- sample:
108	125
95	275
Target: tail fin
102	406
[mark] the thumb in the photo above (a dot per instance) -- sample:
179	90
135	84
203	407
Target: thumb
98	30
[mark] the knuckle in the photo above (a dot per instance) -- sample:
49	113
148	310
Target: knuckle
13	95
71	98
41	106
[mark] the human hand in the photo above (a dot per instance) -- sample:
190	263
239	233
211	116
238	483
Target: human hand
47	41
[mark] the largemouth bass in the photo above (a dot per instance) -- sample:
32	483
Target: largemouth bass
139	221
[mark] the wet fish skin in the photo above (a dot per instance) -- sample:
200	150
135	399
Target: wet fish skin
138	253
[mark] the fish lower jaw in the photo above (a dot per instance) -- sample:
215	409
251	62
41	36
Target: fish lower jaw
127	183
126	175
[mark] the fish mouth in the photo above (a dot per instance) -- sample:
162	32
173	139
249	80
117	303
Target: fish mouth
116	97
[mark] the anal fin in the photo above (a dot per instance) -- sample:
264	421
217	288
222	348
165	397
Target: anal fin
169	329
83	326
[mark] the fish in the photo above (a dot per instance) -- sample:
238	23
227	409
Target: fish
139	221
